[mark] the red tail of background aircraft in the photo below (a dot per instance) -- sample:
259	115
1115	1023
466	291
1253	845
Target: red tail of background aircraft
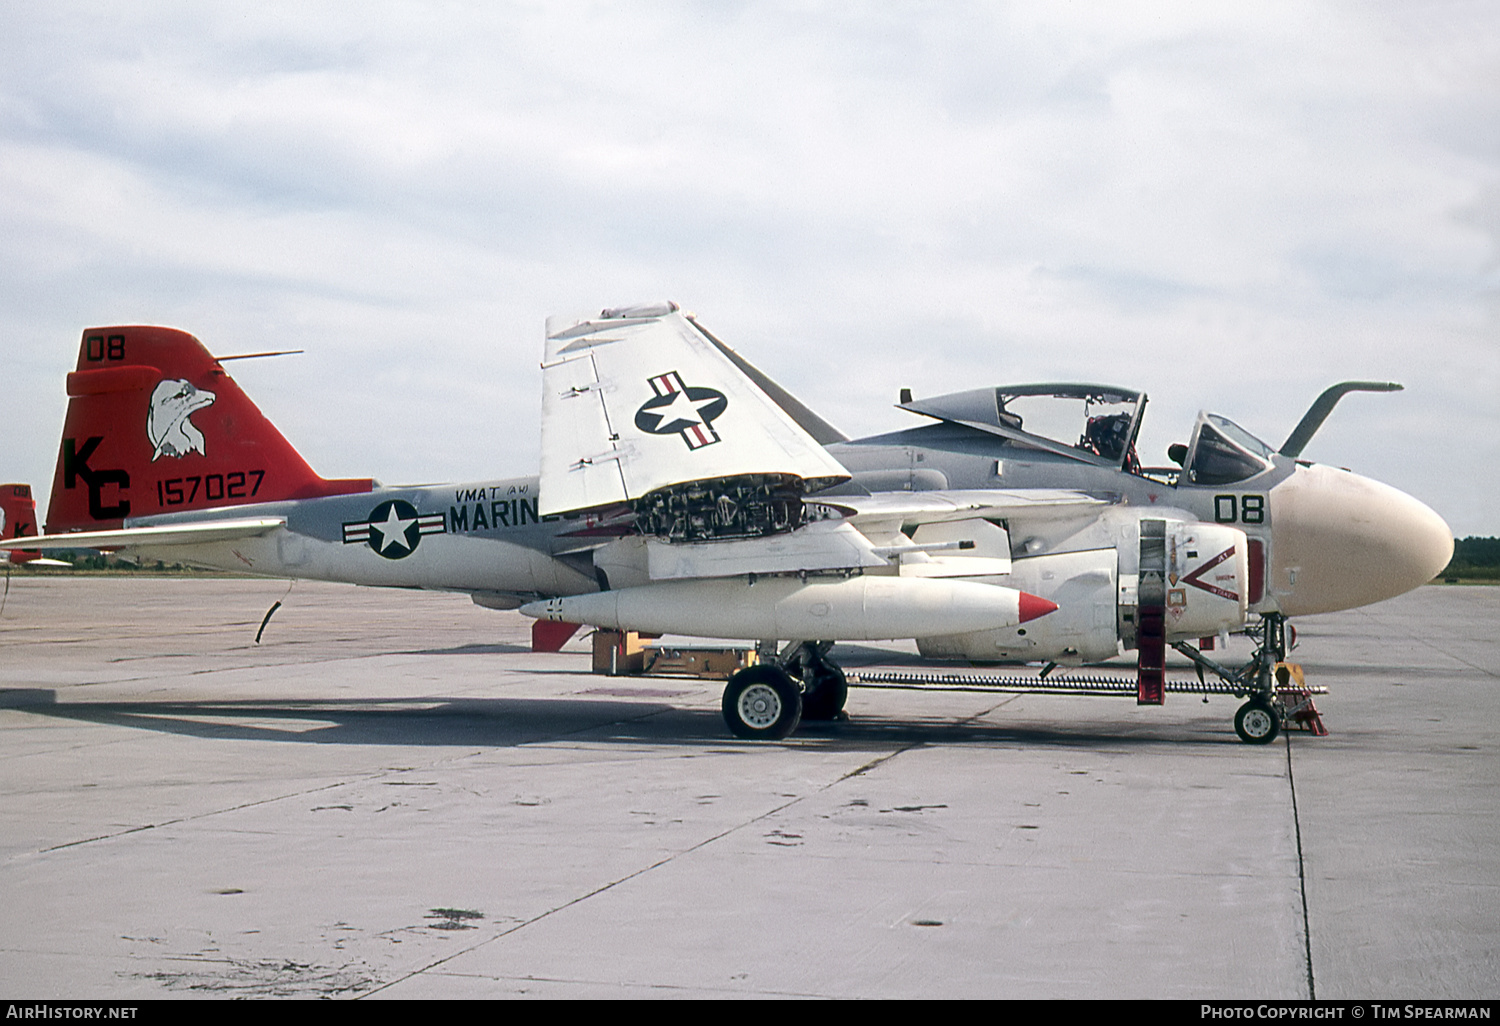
17	517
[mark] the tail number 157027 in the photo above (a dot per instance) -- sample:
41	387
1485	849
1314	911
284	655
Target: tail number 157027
184	491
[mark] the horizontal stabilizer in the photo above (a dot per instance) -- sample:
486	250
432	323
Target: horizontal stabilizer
164	534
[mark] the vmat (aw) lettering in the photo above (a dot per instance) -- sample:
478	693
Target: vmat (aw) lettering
682	491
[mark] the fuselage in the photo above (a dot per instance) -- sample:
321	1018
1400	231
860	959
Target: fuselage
165	457
1320	538
484	537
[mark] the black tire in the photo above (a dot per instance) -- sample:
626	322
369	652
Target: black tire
762	703
826	694
1257	723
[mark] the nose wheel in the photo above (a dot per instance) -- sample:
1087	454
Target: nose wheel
1257	722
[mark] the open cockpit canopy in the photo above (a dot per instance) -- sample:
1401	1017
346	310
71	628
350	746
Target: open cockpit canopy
1095	424
1222	452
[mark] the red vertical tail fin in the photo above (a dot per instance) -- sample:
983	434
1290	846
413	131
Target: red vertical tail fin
155	425
17	517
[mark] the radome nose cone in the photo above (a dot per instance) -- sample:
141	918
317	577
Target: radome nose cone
1341	541
1429	542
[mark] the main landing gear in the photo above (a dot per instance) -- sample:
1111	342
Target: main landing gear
768	700
824	688
762	703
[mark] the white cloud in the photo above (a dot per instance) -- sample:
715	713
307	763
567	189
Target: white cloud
1231	206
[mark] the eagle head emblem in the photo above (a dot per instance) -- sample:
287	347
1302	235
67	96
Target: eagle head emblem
171	432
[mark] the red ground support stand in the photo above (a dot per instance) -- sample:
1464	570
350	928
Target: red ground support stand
1301	713
550	636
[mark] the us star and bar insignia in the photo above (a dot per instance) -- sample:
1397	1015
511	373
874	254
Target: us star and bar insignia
394	529
681	409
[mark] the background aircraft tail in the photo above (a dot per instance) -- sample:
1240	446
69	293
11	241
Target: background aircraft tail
17	517
156	425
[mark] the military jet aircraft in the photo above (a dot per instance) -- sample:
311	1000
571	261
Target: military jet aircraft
682	491
781	528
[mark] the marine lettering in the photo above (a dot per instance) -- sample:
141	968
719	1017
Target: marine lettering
471	514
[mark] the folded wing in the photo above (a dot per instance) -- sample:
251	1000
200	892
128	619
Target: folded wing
638	402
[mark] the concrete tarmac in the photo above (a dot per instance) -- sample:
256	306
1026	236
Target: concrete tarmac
391	796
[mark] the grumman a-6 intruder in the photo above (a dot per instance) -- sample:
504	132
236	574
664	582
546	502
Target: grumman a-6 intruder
979	535
683	492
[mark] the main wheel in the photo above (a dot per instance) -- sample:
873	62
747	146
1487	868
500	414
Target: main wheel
826	694
762	703
1257	723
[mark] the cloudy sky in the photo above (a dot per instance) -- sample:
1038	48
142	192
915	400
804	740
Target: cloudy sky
1228	206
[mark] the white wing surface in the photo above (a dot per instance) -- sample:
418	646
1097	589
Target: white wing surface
893	511
638	399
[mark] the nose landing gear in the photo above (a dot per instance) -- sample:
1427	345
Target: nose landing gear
1279	697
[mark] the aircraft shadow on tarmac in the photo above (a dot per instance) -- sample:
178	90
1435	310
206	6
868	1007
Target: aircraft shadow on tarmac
472	649
508	722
